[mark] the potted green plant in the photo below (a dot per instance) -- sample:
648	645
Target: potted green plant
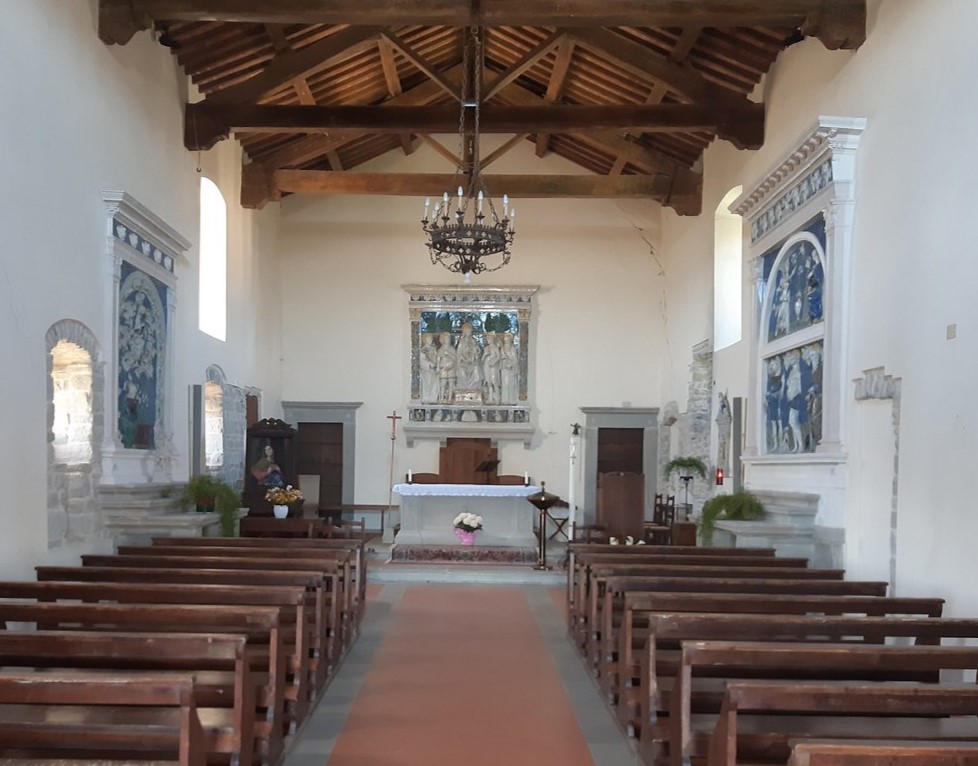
741	505
209	494
686	466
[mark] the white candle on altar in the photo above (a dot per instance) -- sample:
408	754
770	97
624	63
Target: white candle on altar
410	475
526	478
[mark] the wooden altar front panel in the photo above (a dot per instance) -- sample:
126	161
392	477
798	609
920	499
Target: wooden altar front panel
459	458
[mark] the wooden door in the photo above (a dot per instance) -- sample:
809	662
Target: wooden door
459	459
620	450
319	452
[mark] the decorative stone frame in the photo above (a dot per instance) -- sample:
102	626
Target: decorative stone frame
816	177
470	419
137	236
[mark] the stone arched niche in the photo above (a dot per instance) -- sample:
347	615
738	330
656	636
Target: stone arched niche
75	427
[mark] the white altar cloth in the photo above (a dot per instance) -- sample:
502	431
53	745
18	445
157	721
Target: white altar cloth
428	511
466	490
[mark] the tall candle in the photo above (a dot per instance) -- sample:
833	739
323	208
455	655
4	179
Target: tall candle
410	475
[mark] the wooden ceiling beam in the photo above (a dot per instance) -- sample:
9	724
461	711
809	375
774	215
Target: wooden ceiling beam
646	63
554	87
433	184
290	65
421	63
207	123
499	152
531	58
837	23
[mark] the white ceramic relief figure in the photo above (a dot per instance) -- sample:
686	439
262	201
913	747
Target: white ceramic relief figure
447	372
428	369
509	376
467	352
491	358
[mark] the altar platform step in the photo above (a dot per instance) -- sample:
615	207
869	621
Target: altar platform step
395	572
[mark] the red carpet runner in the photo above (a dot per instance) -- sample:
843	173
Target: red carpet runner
462	677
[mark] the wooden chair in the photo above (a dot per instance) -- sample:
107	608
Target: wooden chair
659	531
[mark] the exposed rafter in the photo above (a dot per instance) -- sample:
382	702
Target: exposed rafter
838	23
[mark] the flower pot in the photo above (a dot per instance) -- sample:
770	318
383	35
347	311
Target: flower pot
466	538
280	511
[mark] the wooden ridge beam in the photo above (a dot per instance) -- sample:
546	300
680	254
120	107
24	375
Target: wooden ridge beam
838	23
205	123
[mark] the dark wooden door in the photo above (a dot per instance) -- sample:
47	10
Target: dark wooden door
620	450
319	452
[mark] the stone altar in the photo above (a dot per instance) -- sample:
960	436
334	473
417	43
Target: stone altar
428	510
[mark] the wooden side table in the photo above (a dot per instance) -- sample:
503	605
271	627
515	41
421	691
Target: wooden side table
684	533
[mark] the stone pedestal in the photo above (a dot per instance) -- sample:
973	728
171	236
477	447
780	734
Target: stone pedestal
788	525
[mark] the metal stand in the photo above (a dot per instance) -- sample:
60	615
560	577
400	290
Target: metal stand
543	501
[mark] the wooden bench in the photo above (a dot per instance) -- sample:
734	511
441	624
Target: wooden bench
588	562
889	753
320	603
746	730
575	551
767	578
355	546
688	737
626	598
259	624
241	559
339	561
227	710
298	629
82	715
621	678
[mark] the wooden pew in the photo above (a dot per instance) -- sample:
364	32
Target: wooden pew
622	594
621	676
746	731
320	601
354	545
259	624
576	550
298	628
241	559
227	715
688	736
83	715
891	753
589	634
333	560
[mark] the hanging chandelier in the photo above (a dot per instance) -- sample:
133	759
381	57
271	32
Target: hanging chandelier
465	234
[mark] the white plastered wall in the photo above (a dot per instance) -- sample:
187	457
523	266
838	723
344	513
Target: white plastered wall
100	118
597	329
913	272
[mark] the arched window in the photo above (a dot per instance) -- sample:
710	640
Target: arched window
213	264
728	251
71	377
76	414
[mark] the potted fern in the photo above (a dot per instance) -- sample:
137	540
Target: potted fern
686	466
741	505
207	494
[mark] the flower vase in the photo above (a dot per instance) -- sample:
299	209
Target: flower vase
280	511
466	538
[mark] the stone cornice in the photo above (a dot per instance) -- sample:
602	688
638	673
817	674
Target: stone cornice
835	134
471	294
126	209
